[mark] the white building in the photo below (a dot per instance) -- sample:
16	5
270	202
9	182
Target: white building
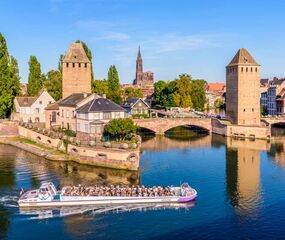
32	109
91	117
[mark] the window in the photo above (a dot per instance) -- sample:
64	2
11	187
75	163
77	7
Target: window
79	65
73	65
53	117
62	113
256	69
244	109
67	114
37	110
66	64
49	102
86	127
242	69
40	102
117	115
251	69
252	110
85	65
246	69
106	115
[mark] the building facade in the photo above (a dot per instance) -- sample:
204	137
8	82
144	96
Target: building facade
136	106
92	116
243	89
214	92
76	71
32	109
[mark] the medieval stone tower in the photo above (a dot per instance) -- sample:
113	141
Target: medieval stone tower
243	83
76	71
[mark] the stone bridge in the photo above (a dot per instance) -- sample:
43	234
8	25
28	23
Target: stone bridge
273	120
160	125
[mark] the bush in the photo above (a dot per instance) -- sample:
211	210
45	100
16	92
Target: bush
120	128
69	133
140	116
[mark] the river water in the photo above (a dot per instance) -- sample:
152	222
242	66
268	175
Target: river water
240	185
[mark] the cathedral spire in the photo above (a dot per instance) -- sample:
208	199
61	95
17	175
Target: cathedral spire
139	53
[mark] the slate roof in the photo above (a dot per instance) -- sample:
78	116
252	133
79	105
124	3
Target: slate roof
100	105
73	99
130	102
76	53
52	106
243	57
25	101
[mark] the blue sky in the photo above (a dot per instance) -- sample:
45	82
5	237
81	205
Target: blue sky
198	37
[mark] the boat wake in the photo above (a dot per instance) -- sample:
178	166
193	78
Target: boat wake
72	211
9	201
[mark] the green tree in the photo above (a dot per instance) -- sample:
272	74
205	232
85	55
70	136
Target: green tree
131	92
100	86
9	79
114	91
120	128
89	55
53	84
182	94
198	95
35	79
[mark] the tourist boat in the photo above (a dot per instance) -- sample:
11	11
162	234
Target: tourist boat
48	196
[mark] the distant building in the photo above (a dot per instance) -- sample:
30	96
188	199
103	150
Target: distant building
214	92
243	89
92	116
144	80
136	106
32	109
271	100
280	102
76	71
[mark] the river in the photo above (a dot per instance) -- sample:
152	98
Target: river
240	185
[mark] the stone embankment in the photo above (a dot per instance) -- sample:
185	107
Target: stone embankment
57	147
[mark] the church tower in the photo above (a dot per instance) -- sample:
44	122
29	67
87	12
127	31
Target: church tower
76	71
243	89
139	69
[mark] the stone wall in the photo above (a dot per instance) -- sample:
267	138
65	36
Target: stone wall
97	156
8	129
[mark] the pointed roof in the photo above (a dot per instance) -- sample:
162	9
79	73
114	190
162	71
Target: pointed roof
243	57
139	53
76	53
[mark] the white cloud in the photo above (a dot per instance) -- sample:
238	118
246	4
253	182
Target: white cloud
112	36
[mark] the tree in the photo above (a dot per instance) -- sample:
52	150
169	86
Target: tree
198	96
53	84
100	86
35	79
114	91
9	79
131	92
89	55
182	94
120	128
59	65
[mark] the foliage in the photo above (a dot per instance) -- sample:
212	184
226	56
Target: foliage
89	55
53	84
182	94
219	103
163	94
198	95
136	116
69	133
120	128
263	110
114	91
9	79
35	79
100	86
132	92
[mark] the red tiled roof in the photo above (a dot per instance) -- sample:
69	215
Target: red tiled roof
215	87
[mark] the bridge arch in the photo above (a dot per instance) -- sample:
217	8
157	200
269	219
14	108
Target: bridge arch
161	125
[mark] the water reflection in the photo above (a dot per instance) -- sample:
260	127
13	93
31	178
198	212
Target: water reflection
243	172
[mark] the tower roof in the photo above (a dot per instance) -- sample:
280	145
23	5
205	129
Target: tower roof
139	53
243	57
76	53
